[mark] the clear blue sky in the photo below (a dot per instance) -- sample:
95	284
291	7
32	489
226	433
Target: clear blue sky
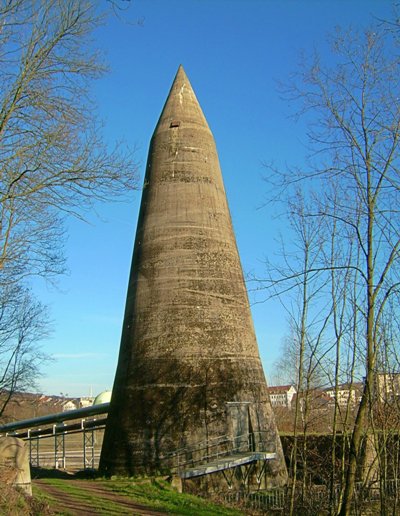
233	52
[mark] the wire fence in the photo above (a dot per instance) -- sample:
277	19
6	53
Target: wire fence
260	501
316	496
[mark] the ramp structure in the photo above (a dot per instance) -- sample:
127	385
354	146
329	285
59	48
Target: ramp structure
189	369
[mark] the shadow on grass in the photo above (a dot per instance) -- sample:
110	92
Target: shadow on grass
63	474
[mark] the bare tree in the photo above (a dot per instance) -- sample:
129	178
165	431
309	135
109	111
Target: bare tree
54	161
355	130
302	293
23	321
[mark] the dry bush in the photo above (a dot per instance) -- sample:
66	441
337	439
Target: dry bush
14	502
8	474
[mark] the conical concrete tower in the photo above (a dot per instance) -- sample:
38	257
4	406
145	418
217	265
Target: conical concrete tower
189	370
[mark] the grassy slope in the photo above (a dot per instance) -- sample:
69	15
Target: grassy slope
156	495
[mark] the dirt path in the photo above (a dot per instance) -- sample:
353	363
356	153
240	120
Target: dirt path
93	498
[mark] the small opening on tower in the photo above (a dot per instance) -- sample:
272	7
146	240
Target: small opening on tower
175	123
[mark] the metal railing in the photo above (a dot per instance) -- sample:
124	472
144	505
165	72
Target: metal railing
218	448
53	419
57	427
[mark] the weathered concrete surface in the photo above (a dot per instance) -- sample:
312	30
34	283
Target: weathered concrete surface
14	463
188	346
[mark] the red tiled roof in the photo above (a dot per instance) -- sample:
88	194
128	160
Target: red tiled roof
276	389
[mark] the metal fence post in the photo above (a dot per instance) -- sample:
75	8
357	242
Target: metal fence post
33	450
59	449
88	448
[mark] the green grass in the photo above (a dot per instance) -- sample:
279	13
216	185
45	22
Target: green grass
46	500
155	494
103	506
160	496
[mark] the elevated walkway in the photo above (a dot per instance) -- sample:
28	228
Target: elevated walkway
222	454
53	423
60	426
227	462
